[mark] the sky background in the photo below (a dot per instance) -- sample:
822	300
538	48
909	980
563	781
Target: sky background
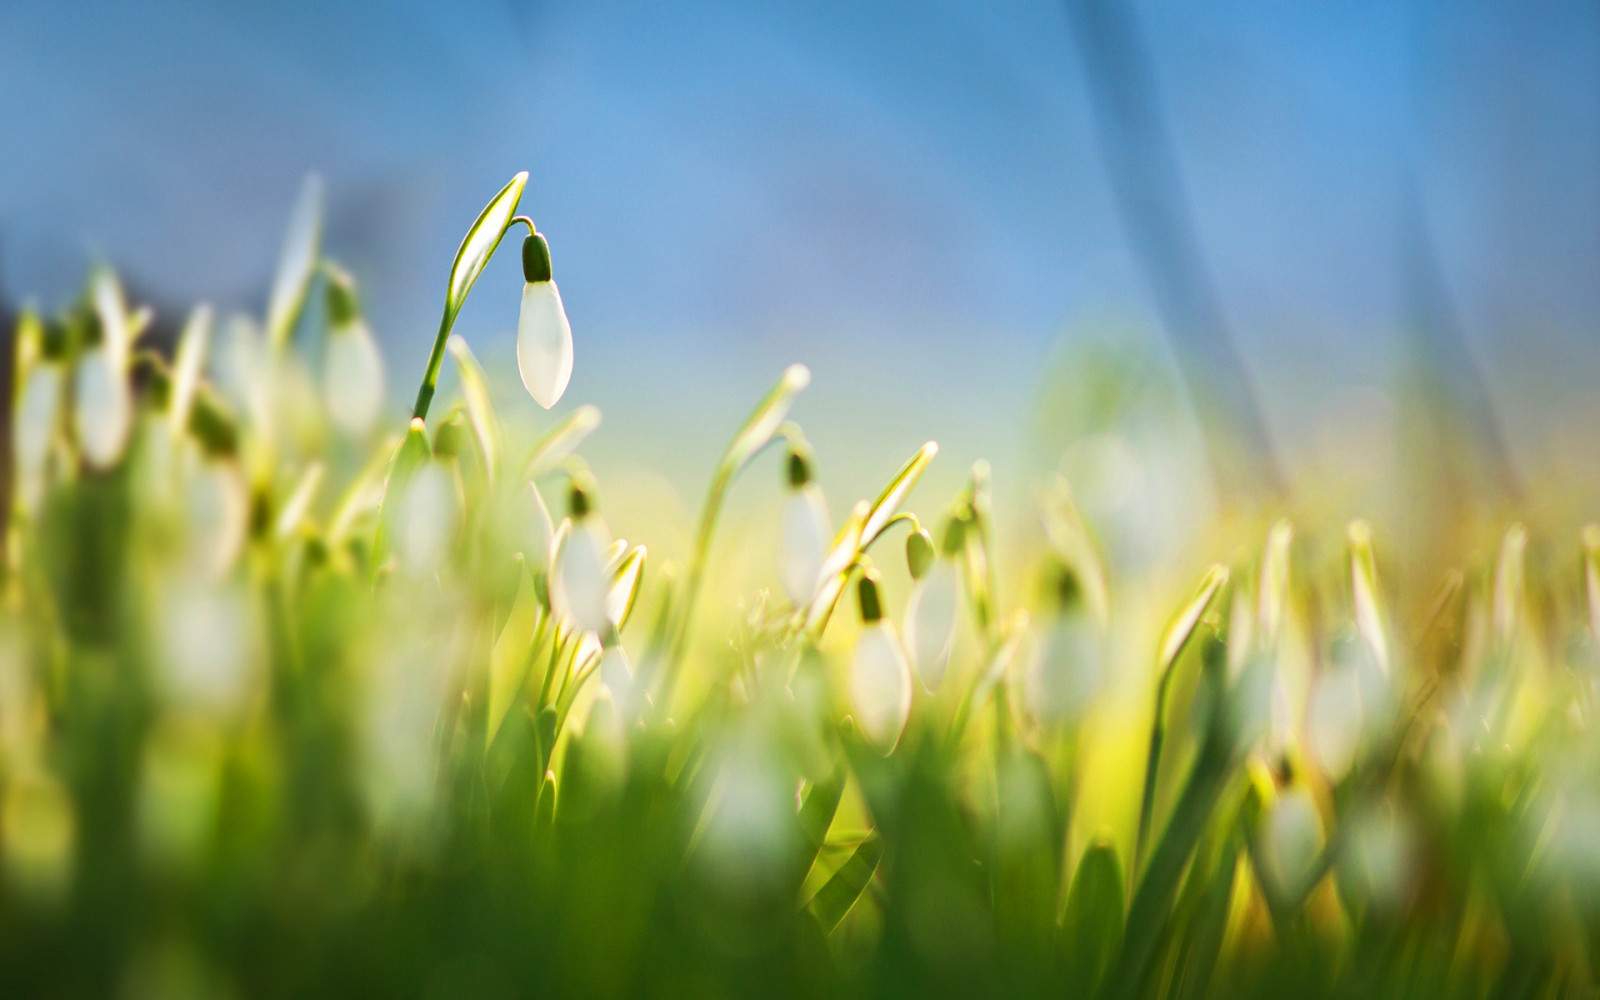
907	197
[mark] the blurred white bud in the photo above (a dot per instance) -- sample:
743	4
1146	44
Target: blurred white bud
930	621
37	412
352	378
1334	718
103	406
544	343
880	685
616	673
806	532
425	518
1064	674
1291	841
1379	857
578	580
207	639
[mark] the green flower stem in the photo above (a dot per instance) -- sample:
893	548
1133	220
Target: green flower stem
430	375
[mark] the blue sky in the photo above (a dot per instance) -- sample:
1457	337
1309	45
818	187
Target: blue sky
908	197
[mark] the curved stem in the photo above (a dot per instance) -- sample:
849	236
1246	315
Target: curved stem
430	375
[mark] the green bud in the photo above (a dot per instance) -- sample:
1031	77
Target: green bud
343	306
535	259
871	605
799	466
213	424
919	553
1069	589
580	498
955	533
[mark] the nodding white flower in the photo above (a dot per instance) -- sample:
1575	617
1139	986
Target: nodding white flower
579	580
425	519
1064	675
931	621
1349	702
1291	839
35	427
352	378
616	674
352	370
544	337
880	678
806	531
104	406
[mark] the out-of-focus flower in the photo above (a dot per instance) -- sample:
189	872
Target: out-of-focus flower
880	678
578	578
931	610
806	530
1064	674
352	370
544	337
1291	840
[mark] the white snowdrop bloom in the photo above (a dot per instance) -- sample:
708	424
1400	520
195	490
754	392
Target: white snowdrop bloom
1379	857
1334	718
104	406
35	427
880	685
806	532
616	674
578	580
544	337
1064	674
425	520
1291	840
352	378
207	635
216	514
931	621
536	528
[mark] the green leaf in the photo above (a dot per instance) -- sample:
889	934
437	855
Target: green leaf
816	814
1273	587
840	892
187	361
299	502
1364	590
302	245
1182	627
480	242
765	420
480	410
1091	928
561	442
894	494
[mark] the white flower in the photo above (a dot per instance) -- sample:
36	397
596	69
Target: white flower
616	673
104	406
425	519
931	621
352	377
544	343
1064	675
1335	719
1291	840
35	427
880	685
578	580
806	533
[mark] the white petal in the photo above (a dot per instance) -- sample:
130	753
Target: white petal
805	542
880	686
36	418
1065	675
1291	839
104	407
616	673
426	519
352	378
1335	720
579	588
931	621
544	343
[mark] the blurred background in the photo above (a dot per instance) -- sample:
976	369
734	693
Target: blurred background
955	213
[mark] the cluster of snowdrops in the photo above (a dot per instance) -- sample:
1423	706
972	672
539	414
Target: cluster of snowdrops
292	704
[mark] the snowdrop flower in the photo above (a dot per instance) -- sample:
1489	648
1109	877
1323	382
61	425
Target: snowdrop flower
35	428
104	402
806	531
1065	672
880	678
544	338
578	578
931	609
616	675
352	371
425	519
1291	840
1349	703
